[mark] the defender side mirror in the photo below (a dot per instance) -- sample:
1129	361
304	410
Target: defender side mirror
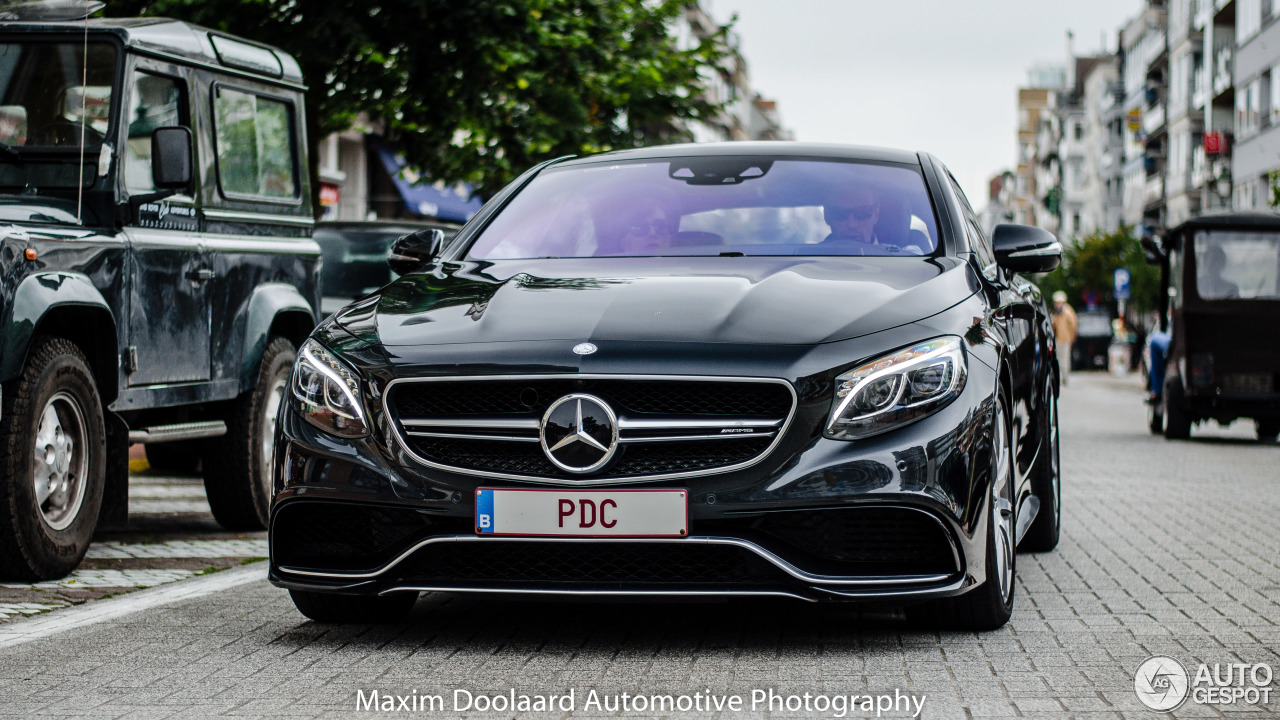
171	158
1026	249
411	252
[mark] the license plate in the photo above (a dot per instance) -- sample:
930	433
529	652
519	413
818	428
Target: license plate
582	513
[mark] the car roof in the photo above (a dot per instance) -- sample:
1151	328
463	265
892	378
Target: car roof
778	149
168	38
1227	219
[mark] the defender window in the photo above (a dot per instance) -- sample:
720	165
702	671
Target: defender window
254	136
156	101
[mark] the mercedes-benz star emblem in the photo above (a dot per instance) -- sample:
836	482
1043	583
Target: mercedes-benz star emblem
579	433
584	349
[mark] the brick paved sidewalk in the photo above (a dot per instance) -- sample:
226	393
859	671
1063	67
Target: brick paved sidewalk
1169	548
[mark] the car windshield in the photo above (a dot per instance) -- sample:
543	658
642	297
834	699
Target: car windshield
715	206
47	90
1237	265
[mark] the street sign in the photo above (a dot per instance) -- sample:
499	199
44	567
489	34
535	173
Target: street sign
1122	284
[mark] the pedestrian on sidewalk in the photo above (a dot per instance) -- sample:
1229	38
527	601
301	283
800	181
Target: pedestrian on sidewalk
1064	333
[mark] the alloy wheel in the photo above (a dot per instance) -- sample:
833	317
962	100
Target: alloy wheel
1002	506
270	415
60	463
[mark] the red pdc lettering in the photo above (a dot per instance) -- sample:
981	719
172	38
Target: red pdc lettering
603	505
566	510
583	522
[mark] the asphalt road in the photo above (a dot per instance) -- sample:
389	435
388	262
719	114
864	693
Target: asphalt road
1169	549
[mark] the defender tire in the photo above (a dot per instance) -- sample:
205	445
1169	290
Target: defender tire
361	609
237	466
1177	421
1046	483
990	605
53	460
1155	416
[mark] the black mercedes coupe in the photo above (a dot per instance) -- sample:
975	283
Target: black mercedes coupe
743	369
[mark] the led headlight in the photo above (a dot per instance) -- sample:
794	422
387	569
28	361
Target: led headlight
328	392
897	389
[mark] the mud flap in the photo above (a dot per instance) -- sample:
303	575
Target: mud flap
115	494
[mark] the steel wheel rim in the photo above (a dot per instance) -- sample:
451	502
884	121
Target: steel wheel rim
271	414
1003	507
59	461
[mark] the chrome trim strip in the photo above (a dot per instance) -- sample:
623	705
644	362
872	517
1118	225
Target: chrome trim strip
677	438
628	424
470	436
496	424
1053	248
574	482
602	593
259	218
781	564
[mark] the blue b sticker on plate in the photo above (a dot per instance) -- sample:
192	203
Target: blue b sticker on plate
484	511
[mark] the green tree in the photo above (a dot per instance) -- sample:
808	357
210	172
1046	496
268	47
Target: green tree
478	91
1090	265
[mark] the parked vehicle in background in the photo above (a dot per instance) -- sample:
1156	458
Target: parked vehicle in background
156	268
355	256
1221	305
723	369
1093	338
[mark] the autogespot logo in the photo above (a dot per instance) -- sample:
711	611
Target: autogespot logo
1161	683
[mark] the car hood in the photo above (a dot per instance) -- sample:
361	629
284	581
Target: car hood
743	300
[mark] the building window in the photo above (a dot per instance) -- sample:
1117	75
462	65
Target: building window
1078	131
1248	19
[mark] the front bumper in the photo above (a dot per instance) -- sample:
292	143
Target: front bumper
897	517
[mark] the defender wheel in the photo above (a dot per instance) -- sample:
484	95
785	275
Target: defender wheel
1177	422
362	609
1268	430
237	466
177	458
1046	483
990	605
53	455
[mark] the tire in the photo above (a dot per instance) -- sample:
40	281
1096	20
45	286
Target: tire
237	466
1177	421
1046	483
177	458
1268	430
51	411
361	609
990	605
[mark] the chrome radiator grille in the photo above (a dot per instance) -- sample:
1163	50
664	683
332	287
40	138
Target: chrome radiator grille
666	426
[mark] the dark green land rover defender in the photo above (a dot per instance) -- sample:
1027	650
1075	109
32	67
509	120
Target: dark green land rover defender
157	270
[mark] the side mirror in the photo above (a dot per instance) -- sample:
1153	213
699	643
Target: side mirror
1026	249
410	252
1152	249
171	158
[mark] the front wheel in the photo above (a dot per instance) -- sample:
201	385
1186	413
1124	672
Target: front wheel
990	605
363	609
237	466
53	455
1177	421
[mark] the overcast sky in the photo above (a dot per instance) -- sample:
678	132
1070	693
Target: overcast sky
934	75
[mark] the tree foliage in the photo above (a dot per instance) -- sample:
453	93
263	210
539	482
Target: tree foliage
479	91
1089	267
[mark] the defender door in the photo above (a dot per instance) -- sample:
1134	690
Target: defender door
169	299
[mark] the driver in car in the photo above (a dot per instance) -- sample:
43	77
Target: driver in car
852	214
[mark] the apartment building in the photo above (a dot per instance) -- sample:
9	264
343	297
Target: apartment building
1256	76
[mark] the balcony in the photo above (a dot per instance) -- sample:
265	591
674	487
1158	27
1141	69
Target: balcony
1222	70
1153	120
1153	191
1200	87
